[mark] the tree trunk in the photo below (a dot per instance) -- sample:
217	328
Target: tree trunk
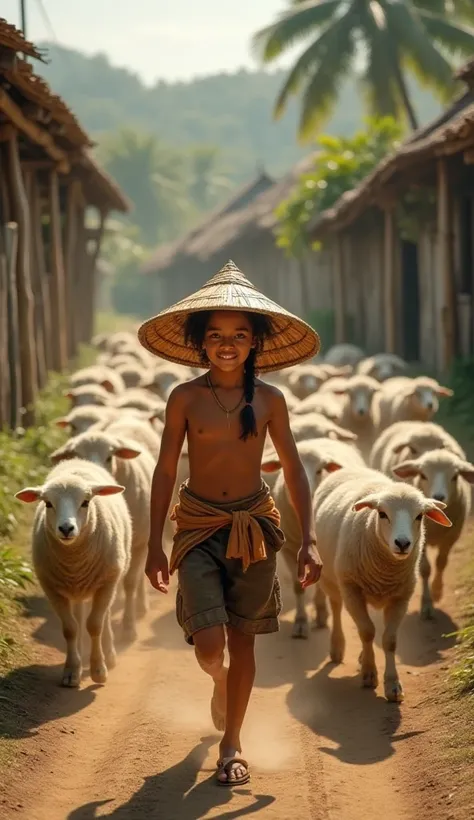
59	312
402	87
21	215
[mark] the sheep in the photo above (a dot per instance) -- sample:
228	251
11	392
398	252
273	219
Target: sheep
326	405
382	366
81	542
139	430
359	412
331	386
133	466
141	399
342	354
370	533
404	399
304	380
165	377
320	457
332	371
314	425
89	394
444	476
98	374
81	418
405	439
132	373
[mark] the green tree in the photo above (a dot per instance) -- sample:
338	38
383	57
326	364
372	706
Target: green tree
339	166
208	183
153	175
394	37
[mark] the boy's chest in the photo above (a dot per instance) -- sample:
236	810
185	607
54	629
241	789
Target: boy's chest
209	421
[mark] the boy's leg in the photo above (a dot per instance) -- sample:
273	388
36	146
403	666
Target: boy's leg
209	645
239	687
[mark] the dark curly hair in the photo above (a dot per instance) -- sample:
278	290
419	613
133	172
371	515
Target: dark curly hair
194	334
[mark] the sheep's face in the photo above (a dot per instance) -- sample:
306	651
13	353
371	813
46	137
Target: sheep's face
383	370
100	449
316	467
67	505
437	473
399	518
81	396
360	394
424	401
305	384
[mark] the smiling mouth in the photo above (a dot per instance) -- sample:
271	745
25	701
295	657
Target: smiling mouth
227	356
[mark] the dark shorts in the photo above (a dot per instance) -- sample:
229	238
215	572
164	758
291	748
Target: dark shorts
215	590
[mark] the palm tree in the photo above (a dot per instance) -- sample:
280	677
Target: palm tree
393	36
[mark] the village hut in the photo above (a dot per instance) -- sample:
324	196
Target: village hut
401	244
49	181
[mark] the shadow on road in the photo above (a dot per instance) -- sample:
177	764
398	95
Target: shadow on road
175	795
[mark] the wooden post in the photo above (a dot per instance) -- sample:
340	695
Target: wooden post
59	309
11	245
36	284
446	268
339	291
92	277
21	215
4	364
389	290
49	339
72	262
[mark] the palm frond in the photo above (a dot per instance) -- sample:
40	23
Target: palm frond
460	11
378	83
336	55
291	26
457	39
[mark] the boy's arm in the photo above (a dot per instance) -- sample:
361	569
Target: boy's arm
309	561
162	487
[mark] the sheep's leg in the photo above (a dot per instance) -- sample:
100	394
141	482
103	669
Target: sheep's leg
338	641
101	602
130	585
427	610
356	606
394	613
321	607
72	668
78	610
108	643
437	584
300	625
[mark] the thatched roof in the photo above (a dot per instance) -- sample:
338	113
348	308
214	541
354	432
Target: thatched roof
13	39
237	224
451	132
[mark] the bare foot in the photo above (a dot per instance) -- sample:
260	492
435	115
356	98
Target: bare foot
219	702
233	770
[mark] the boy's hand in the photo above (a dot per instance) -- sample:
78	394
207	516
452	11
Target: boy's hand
156	570
309	565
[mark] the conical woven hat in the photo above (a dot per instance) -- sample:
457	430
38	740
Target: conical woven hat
293	340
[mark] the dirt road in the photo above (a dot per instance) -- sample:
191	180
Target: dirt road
143	746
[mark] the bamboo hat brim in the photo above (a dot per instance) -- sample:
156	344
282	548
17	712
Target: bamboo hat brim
292	341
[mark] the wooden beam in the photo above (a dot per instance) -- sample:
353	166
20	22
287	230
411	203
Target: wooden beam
58	297
445	272
33	131
389	290
339	292
74	216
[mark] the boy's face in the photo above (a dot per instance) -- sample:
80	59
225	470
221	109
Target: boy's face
228	339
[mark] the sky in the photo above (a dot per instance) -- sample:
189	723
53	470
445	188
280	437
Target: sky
158	39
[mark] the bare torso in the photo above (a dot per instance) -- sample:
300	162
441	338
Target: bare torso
222	467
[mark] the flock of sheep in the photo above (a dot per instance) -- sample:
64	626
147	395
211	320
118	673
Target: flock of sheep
387	483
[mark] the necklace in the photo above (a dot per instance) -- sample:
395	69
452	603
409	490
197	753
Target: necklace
226	410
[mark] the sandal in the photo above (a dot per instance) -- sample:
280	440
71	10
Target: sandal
226	764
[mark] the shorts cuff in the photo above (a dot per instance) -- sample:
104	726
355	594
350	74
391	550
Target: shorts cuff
203	620
262	626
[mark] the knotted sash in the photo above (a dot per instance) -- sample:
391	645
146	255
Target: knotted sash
253	521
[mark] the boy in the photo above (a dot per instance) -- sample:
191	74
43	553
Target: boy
227	536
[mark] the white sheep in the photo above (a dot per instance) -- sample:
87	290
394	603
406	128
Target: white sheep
140	399
404	399
444	476
306	379
132	466
81	418
314	425
89	394
319	457
382	366
370	534
98	374
81	550
333	385
408	439
325	404
165	377
359	410
139	430
132	373
342	354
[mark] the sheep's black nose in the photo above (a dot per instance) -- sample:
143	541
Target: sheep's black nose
66	529
402	544
439	497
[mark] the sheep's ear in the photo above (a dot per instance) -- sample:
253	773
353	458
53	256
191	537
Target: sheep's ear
398	449
339	391
467	472
345	435
29	494
435	513
271	464
407	469
370	502
61	455
126	452
61	422
69	394
107	385
444	391
332	466
107	489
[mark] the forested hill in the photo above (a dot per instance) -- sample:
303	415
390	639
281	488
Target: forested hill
230	111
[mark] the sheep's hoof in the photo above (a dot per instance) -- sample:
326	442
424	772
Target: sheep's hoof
336	654
321	619
370	678
71	677
99	672
300	628
111	660
129	633
394	691
427	611
436	590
